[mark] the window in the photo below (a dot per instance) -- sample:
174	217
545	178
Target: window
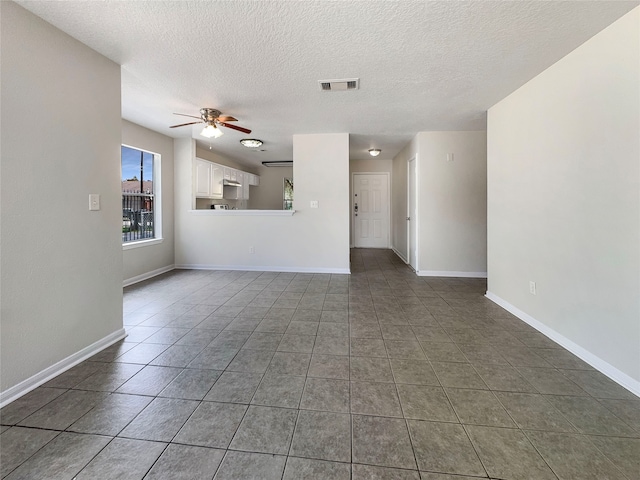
287	194
140	195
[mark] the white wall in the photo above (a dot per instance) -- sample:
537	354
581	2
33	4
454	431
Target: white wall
138	262
311	240
371	165
399	199
452	203
61	280
269	195
564	200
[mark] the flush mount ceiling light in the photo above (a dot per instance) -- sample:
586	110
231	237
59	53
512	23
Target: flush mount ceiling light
374	152
251	142
211	131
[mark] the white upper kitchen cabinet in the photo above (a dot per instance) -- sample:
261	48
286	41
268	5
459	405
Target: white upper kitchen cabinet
231	174
208	181
217	178
232	192
203	178
254	180
245	185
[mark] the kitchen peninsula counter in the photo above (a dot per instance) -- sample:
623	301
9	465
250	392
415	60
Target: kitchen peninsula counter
240	213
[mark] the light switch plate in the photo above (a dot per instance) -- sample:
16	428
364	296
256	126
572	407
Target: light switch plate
314	203
94	201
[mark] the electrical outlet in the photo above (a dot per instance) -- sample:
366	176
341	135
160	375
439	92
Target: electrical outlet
532	288
314	203
252	250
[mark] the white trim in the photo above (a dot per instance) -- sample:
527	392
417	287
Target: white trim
141	243
388	219
147	275
448	273
402	257
157	192
415	217
596	362
238	213
264	268
24	387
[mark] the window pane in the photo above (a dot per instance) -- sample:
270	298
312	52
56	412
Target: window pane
287	194
138	195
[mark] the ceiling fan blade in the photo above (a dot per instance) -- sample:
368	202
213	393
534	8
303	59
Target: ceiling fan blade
184	124
185	115
235	127
227	118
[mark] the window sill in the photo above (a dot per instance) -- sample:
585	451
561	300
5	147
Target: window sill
243	213
141	243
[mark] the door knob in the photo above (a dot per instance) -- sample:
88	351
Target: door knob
408	218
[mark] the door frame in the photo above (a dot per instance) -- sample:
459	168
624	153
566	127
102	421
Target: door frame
415	214
353	217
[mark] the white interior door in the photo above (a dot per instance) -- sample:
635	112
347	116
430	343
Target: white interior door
412	217
371	210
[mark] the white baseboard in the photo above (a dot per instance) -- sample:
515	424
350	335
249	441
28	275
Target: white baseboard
596	362
148	275
24	387
263	268
402	257
448	273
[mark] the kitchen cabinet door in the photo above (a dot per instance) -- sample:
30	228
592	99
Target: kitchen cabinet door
245	185
203	178
241	178
254	180
217	176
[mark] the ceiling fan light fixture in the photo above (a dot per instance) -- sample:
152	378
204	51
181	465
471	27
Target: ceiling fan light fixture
211	131
374	152
251	142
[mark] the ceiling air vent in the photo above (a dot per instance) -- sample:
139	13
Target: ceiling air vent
339	85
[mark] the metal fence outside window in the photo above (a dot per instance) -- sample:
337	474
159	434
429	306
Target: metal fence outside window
137	216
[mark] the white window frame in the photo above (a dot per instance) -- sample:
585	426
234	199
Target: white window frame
157	199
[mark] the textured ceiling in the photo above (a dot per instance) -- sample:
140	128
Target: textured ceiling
423	65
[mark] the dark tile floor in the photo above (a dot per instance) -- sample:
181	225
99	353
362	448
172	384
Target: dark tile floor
376	375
